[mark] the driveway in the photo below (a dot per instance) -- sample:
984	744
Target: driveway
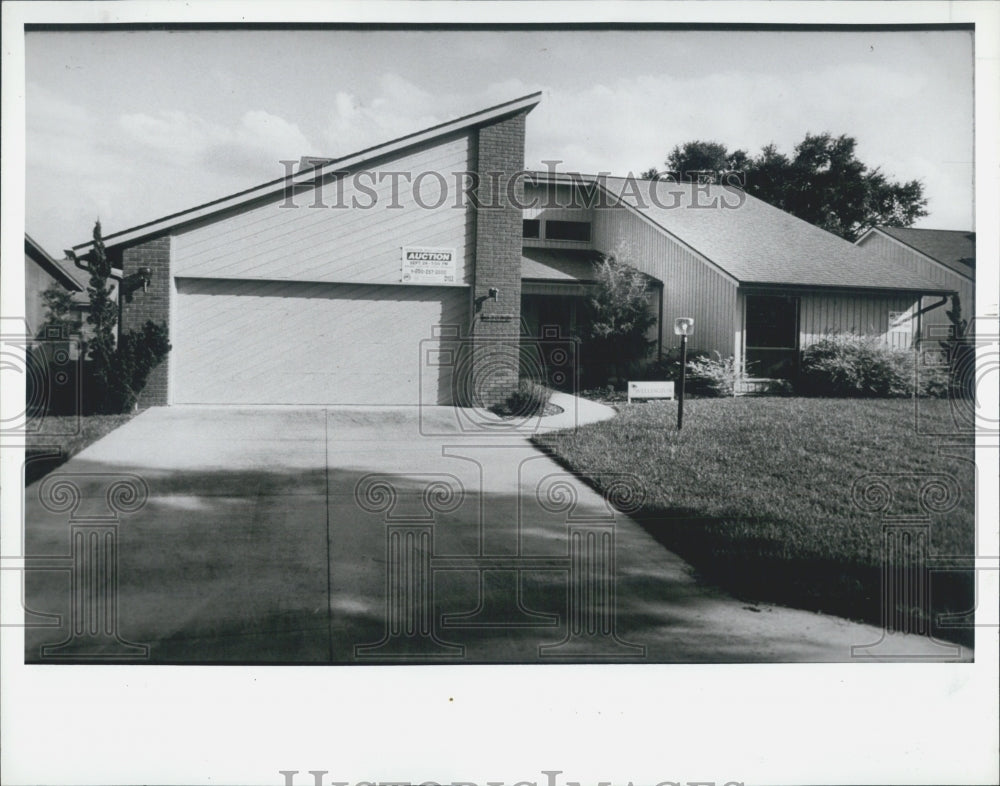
373	535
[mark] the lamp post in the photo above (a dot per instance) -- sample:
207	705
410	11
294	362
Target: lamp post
683	327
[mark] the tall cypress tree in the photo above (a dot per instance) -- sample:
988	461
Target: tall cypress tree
104	319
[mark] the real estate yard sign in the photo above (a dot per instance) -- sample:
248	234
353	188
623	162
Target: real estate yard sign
428	265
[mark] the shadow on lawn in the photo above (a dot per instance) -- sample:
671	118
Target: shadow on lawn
756	569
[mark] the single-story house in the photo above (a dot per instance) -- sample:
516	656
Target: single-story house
943	255
411	272
42	271
760	284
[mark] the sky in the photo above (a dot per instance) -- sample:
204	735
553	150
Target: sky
131	126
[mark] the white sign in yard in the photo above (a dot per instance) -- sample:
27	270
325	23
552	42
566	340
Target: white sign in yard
650	390
428	265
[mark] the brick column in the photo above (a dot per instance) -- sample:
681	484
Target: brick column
153	304
496	324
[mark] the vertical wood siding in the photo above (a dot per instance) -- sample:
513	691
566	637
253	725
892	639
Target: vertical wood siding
341	244
825	313
934	320
821	314
691	288
255	342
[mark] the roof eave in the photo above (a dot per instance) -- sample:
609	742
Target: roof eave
921	290
50	265
276	187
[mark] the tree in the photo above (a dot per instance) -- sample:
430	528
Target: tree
617	319
119	368
62	319
103	317
823	182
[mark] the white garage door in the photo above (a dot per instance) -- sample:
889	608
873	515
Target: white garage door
267	342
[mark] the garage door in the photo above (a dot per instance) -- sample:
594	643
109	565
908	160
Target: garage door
266	342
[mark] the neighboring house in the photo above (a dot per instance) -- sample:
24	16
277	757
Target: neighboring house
943	255
41	271
760	283
390	277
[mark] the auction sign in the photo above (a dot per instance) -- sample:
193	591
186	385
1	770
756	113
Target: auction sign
428	265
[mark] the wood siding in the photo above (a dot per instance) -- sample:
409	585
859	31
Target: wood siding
933	321
341	244
257	342
825	313
691	286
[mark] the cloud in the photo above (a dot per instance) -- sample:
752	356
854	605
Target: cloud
139	165
398	107
185	138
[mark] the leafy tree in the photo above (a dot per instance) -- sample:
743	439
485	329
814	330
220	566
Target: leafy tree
822	182
617	318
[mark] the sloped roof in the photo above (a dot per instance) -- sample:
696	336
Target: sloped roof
62	271
953	248
276	188
542	264
757	243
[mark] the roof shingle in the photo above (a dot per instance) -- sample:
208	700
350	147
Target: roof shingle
954	248
758	243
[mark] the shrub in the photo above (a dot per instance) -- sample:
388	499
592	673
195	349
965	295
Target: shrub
117	369
856	366
714	376
529	399
615	322
667	367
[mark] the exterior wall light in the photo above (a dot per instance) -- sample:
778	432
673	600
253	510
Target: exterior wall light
146	274
494	293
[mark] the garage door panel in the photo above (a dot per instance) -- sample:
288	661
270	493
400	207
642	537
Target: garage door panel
251	342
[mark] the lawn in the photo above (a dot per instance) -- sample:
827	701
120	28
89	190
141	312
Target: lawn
756	493
59	438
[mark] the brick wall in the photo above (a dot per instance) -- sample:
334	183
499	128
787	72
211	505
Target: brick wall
153	304
496	323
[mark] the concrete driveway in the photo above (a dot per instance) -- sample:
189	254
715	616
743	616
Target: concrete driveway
373	535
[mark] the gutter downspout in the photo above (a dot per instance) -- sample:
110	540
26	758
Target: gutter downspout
944	299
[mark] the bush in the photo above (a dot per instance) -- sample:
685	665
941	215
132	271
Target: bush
856	366
615	322
714	376
667	367
529	399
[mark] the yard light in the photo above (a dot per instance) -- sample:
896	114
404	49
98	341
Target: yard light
683	327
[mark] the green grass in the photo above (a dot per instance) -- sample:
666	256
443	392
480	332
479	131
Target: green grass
757	492
59	438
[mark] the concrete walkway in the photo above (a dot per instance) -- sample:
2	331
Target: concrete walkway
382	535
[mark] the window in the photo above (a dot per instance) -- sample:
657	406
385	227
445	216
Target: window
567	230
531	227
772	336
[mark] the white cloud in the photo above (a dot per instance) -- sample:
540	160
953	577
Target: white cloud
139	166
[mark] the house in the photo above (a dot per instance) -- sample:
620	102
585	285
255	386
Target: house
760	283
41	272
942	255
416	272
